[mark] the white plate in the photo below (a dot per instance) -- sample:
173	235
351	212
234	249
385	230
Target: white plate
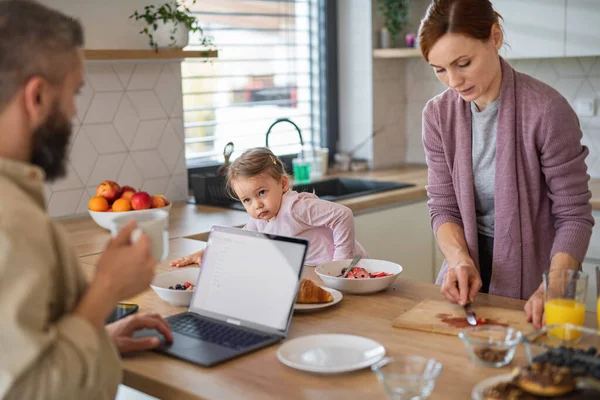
337	297
330	353
481	387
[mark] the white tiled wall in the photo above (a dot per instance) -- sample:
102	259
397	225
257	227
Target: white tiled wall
574	78
129	128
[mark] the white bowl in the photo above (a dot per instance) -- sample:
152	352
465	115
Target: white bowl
329	272
105	218
161	284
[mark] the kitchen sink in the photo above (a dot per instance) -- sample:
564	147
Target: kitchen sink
341	188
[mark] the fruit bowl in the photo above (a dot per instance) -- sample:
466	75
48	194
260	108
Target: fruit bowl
105	218
161	284
329	272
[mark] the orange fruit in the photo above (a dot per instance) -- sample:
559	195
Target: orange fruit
121	205
98	203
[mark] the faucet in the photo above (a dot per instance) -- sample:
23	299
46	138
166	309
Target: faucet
278	120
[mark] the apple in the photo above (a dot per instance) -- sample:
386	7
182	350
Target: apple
110	190
141	201
126	188
159	201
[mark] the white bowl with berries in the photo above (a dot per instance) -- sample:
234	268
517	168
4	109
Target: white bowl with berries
176	287
369	275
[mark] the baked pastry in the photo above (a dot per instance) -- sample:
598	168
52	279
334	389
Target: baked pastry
507	391
545	379
311	293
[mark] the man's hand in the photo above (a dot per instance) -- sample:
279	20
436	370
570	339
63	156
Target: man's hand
534	308
461	283
121	332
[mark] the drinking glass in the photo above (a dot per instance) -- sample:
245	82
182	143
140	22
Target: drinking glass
564	301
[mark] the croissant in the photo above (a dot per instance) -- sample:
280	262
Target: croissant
310	292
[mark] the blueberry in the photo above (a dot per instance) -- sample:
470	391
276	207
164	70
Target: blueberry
170	287
591	351
178	287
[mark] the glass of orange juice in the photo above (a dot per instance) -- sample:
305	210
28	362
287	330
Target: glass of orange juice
598	294
564	301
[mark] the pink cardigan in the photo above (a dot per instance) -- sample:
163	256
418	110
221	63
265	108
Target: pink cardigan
542	197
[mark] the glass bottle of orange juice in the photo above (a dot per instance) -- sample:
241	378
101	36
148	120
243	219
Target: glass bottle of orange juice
564	301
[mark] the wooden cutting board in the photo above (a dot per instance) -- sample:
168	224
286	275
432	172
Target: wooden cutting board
449	319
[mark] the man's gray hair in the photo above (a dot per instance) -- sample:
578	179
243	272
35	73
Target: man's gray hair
34	41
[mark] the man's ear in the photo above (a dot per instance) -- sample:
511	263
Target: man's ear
38	99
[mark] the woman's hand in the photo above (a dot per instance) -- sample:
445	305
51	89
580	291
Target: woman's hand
121	332
195	258
461	283
534	308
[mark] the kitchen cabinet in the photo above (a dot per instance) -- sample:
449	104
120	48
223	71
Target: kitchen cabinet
533	28
402	235
582	28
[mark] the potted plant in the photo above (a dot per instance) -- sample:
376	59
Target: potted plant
396	16
169	25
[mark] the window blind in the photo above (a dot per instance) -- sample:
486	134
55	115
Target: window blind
269	67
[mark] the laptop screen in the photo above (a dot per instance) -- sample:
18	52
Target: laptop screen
249	276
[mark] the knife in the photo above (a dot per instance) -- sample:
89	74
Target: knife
471	319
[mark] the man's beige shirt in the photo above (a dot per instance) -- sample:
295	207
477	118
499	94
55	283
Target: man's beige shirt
45	351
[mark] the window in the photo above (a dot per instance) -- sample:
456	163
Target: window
269	67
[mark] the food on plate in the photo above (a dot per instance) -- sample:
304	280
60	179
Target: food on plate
361	273
583	362
507	391
311	293
141	201
183	286
98	203
545	379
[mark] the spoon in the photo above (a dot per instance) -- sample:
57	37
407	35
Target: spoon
355	261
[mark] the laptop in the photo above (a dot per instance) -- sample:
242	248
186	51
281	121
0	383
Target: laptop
243	300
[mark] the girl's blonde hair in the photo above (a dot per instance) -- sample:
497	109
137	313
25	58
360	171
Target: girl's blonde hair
254	162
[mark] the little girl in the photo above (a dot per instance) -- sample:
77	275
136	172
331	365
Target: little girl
258	179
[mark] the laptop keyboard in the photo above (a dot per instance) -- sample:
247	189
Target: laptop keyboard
217	333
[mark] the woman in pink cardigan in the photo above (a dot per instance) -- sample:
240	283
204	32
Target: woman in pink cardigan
508	186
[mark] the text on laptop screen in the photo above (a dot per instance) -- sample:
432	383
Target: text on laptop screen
249	278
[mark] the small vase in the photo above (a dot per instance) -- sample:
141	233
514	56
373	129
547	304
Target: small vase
385	42
164	31
410	39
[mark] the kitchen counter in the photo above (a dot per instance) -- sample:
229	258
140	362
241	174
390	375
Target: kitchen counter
195	221
260	375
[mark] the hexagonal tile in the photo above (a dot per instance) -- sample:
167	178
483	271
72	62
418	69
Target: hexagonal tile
170	147
526	66
148	134
177	110
68	182
586	90
181	165
124	72
568	87
130	175
108	166
83	100
74	132
103	108
567	67
83	156
65	203
587	63
82	207
155	186
47	193
177	188
175	70
595	82
168	89
105	138
144	76
177	125
102	77
150	164
126	121
147	105
546	73
595	70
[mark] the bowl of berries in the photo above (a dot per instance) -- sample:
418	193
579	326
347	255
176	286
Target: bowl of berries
369	275
176	287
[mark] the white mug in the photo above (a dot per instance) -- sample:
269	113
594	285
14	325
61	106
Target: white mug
154	224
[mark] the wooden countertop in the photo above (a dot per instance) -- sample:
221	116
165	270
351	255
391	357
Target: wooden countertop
195	221
260	375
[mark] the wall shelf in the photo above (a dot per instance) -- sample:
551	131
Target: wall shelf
397	53
148	54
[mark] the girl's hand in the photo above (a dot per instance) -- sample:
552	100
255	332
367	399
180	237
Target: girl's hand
195	258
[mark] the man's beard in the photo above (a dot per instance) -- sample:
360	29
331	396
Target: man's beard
50	142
